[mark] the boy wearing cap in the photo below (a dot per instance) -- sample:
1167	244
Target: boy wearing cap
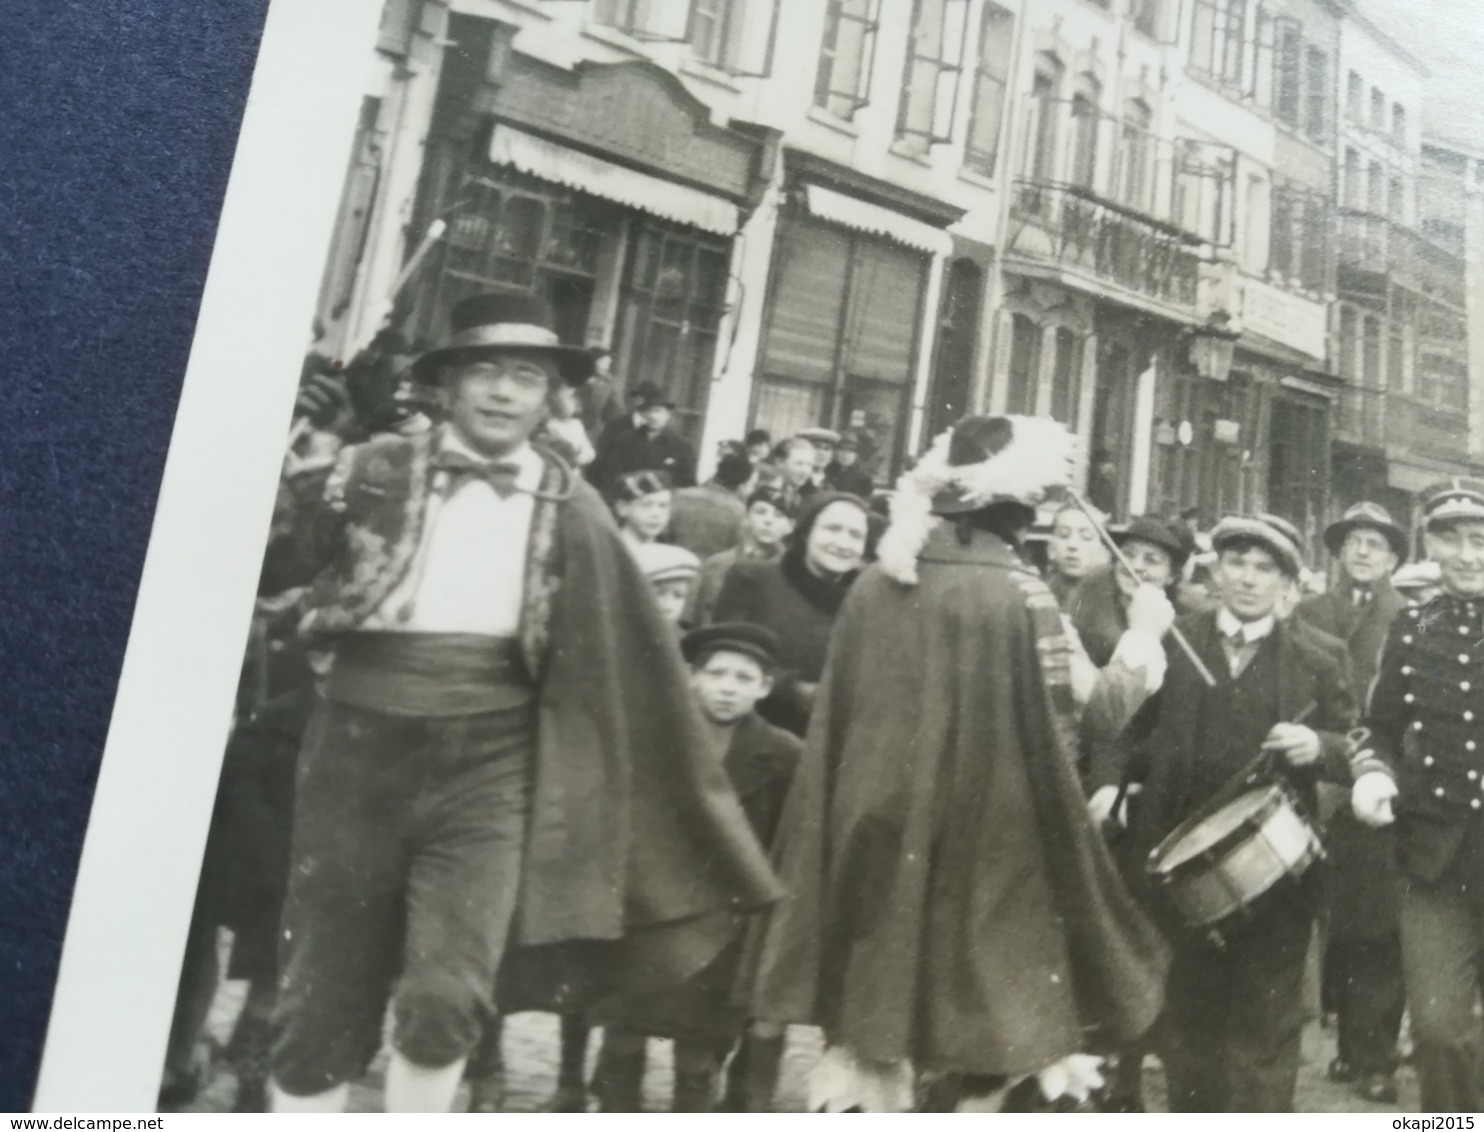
731	669
1230	1033
475	594
769	522
671	572
642	502
1362	957
1424	771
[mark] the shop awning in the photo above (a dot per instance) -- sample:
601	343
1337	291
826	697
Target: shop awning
863	216
655	195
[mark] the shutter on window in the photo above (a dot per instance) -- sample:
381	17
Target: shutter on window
808	296
885	295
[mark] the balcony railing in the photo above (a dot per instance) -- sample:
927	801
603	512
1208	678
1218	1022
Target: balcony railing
1073	228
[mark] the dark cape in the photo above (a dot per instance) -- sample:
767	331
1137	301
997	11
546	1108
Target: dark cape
950	900
638	853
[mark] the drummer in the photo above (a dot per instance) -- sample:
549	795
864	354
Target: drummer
1230	1040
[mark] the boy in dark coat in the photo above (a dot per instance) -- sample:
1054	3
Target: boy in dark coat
1230	1034
1363	949
732	666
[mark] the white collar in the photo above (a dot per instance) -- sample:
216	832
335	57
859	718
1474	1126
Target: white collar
1251	631
524	457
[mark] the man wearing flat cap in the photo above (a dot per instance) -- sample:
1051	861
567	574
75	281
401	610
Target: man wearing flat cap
1362	957
504	751
1230	1034
1423	770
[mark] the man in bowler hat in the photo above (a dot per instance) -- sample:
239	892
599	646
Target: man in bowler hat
504	755
643	441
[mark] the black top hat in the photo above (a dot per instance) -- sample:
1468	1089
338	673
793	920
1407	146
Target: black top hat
1371	515
647	393
636	485
1461	497
755	641
501	322
1170	535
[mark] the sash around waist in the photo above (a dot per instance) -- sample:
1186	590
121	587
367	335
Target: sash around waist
428	674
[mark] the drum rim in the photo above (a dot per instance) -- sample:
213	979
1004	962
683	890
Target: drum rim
1276	795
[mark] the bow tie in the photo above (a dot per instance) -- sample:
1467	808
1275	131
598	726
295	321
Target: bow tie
461	469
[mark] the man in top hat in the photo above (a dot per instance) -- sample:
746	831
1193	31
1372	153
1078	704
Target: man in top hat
643	441
928	927
1362	958
1424	770
506	717
1230	1034
844	473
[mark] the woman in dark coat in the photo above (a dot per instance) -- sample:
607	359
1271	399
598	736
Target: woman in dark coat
798	595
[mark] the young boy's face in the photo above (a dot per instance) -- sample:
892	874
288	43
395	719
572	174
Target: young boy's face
728	685
671	597
647	516
768	525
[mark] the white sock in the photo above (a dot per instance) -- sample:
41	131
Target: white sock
331	1100
414	1088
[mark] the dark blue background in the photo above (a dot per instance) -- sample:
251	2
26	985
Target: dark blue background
118	120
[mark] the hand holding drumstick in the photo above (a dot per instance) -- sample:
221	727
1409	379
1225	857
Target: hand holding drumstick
1295	742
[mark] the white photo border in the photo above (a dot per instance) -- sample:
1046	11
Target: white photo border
146	834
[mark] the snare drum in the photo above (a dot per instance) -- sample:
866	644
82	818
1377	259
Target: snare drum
1214	866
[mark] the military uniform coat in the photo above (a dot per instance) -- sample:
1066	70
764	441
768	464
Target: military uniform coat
1361	875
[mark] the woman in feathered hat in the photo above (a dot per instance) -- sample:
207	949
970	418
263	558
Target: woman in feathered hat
954	911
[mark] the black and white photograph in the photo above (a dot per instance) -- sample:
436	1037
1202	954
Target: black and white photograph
830	556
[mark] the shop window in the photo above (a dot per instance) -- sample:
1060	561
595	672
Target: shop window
840	345
991	74
670	308
843	81
1025	366
1066	376
935	50
1298	462
1085	121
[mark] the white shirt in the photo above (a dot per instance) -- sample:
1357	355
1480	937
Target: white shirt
1251	634
468	573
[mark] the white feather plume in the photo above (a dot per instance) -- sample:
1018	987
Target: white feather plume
1041	454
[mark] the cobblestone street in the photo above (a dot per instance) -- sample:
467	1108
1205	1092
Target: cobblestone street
531	1057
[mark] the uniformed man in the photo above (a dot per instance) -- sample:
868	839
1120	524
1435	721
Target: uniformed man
1424	769
1362	953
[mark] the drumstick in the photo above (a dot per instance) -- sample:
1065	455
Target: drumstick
1112	546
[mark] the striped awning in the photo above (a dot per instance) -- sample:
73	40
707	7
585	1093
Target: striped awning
863	216
642	191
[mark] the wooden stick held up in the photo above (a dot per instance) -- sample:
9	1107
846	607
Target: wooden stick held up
1185	646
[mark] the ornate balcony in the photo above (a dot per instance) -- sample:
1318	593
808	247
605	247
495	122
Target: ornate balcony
1077	231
